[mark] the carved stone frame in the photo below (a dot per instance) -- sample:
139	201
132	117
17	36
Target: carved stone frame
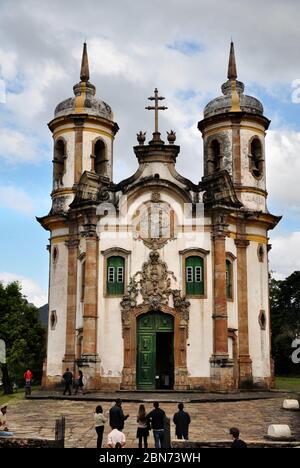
129	320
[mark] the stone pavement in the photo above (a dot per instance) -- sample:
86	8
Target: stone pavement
210	421
167	396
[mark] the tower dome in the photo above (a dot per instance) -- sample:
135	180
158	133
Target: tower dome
84	100
223	104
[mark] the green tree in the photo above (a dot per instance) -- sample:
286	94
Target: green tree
285	321
23	334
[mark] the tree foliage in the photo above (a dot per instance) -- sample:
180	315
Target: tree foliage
285	321
23	334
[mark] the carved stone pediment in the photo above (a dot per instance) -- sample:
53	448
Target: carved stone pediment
153	285
219	190
92	188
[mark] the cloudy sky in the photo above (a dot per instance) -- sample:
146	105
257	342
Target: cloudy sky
134	46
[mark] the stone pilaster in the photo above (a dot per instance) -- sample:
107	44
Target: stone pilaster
89	359
69	358
236	150
221	365
245	363
78	149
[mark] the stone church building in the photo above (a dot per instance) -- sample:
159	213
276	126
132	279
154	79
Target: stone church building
157	282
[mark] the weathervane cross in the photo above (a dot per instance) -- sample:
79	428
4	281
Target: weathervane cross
156	107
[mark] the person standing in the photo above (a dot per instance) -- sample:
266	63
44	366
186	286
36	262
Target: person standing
182	421
116	416
79	383
28	380
237	442
4	431
116	439
68	378
100	420
156	418
142	430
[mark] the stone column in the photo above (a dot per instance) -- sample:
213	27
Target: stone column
245	363
89	356
78	122
221	365
69	358
236	150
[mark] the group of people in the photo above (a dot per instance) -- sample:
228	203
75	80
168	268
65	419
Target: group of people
155	421
70	382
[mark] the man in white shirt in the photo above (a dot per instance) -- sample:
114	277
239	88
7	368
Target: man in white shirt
116	437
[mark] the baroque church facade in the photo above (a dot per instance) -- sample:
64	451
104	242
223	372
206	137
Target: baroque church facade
156	282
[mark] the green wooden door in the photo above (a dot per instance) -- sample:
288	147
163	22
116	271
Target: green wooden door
147	327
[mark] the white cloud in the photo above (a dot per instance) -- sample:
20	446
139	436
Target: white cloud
285	254
16	147
16	199
8	64
30	289
283	168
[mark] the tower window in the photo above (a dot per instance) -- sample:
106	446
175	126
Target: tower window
53	319
256	158
194	269
260	253
216	155
100	161
55	254
82	289
59	163
229	276
115	276
262	320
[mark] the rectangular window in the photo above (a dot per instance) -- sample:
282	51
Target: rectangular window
228	279
198	274
120	275
189	274
111	274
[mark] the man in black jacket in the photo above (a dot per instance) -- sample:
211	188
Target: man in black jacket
68	378
116	416
156	418
182	421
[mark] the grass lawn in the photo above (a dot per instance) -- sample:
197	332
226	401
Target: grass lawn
288	383
19	395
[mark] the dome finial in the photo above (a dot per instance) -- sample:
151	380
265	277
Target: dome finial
232	73
84	72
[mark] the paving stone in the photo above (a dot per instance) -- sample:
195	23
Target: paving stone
210	421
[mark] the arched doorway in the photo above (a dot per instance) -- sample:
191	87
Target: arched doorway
155	351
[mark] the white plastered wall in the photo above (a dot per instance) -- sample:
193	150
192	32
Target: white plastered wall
57	302
258	299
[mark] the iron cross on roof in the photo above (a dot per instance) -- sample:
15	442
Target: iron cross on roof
156	107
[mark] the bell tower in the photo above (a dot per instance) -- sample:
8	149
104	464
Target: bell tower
233	131
83	131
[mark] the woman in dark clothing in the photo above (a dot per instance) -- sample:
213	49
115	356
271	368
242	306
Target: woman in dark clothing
79	383
142	430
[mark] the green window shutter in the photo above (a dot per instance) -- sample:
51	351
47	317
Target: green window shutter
228	279
194	268
115	276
